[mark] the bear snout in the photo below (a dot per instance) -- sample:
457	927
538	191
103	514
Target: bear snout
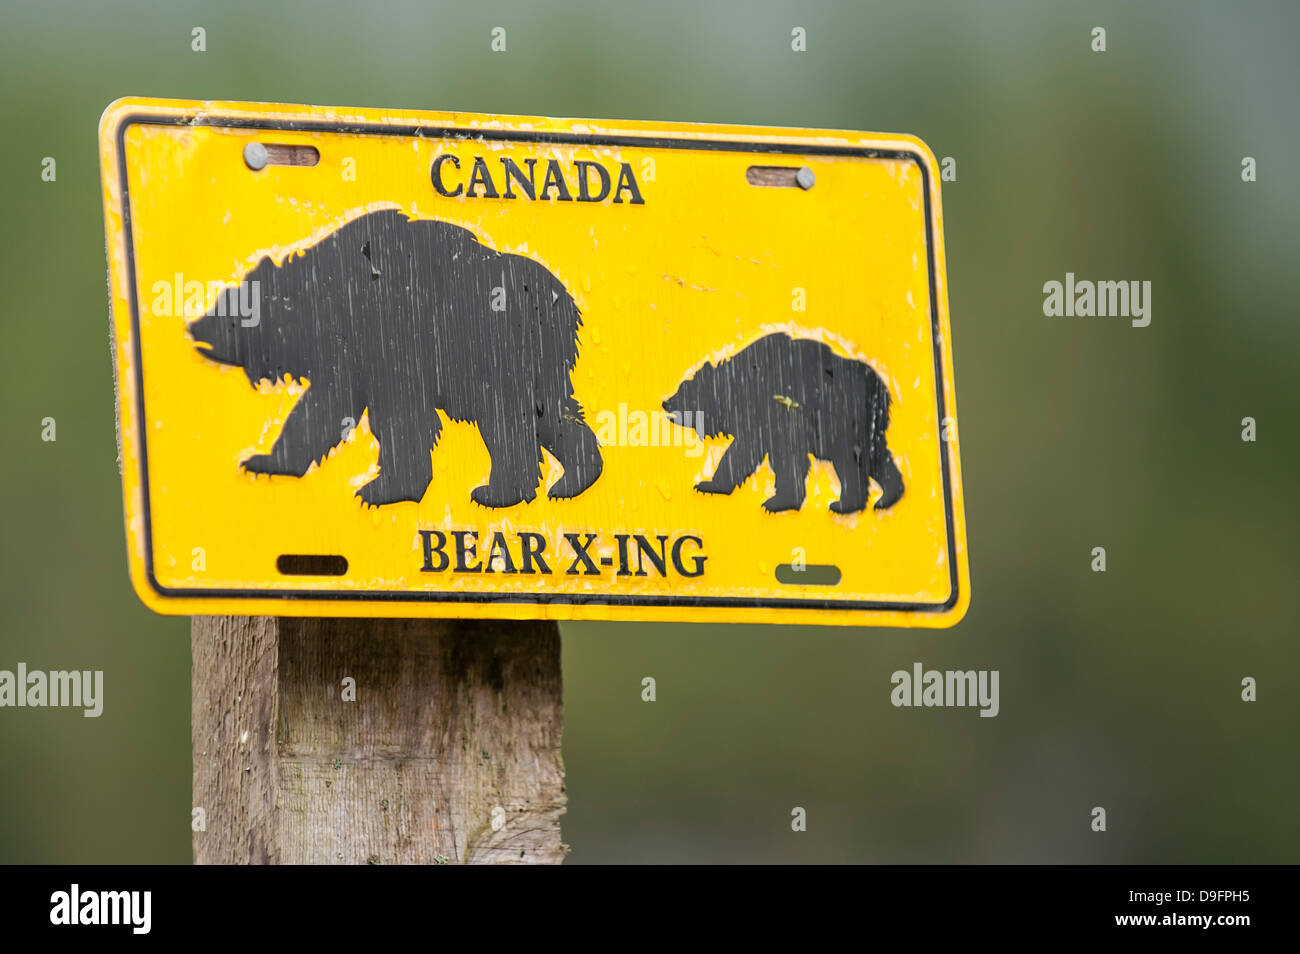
217	338
203	333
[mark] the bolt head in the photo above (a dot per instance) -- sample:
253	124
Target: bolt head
255	156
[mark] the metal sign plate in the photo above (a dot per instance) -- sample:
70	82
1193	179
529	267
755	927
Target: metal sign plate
394	363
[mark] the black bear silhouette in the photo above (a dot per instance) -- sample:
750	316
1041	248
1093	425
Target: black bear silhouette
402	318
789	400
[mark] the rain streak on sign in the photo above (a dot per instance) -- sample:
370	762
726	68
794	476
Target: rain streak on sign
458	365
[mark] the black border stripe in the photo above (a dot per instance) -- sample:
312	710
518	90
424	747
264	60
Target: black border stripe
504	135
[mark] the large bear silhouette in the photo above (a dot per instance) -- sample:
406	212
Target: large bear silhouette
402	318
789	400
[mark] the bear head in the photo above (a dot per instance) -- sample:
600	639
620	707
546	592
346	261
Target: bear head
697	403
260	325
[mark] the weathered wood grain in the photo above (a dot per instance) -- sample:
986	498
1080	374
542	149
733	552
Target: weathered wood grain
450	753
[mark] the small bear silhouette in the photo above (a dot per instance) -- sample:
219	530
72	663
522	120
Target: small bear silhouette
402	318
790	399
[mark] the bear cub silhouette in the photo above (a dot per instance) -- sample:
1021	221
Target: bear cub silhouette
790	399
404	318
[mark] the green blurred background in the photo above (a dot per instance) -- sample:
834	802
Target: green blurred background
1119	689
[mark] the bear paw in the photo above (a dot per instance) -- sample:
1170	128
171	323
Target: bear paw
380	492
713	487
848	506
270	464
574	482
778	504
889	497
496	497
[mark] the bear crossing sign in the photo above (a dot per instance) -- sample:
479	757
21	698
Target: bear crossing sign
440	364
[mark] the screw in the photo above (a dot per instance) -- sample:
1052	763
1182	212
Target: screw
804	177
256	157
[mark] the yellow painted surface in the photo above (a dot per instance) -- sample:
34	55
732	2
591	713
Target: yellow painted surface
706	265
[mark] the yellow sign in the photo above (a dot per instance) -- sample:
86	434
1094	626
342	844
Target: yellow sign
394	363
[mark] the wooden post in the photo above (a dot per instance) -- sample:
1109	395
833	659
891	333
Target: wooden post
449	753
